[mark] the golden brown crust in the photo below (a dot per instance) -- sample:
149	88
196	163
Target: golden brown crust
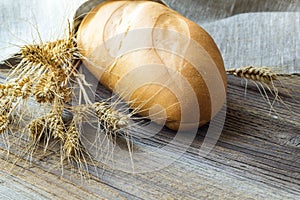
207	42
196	55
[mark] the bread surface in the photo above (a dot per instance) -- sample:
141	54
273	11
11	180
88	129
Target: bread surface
159	61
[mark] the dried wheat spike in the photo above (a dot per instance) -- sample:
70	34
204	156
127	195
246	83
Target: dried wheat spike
2	90
52	85
109	117
59	76
51	122
45	89
65	94
26	90
72	141
5	106
22	88
56	125
51	54
261	74
7	90
4	122
36	128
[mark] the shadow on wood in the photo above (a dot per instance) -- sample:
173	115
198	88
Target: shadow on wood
257	156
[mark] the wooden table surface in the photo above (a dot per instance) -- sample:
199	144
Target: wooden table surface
256	157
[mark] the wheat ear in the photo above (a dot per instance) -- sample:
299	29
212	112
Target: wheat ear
263	78
48	74
112	119
260	74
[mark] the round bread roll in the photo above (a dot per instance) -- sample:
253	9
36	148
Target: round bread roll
165	66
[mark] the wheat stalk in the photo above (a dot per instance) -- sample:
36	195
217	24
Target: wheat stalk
263	78
260	74
46	74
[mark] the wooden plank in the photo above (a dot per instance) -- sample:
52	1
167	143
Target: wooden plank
256	157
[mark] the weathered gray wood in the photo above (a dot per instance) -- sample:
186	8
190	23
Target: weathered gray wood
257	157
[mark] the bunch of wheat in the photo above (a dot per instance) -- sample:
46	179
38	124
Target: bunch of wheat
47	74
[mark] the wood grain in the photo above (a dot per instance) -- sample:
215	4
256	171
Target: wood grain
256	157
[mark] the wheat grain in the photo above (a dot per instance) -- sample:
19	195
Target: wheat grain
261	74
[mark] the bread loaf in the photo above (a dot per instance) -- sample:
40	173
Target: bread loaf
164	65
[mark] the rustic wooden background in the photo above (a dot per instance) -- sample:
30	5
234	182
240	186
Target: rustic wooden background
256	157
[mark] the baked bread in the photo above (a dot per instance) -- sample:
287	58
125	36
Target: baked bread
164	65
